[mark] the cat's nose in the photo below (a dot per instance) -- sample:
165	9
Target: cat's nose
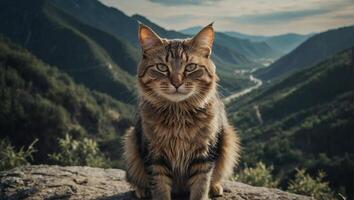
177	84
176	80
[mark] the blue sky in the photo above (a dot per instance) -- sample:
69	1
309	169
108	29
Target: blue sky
257	17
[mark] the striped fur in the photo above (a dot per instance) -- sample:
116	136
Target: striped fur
182	141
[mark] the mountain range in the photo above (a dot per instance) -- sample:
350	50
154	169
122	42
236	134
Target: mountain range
68	67
40	102
309	53
97	45
115	22
92	57
281	44
304	120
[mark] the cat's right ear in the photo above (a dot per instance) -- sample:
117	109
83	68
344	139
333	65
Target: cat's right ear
148	38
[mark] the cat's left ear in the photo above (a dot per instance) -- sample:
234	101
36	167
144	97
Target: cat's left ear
204	39
148	38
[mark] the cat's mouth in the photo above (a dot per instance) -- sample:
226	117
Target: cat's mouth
179	93
177	96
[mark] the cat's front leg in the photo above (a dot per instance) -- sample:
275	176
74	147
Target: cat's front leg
199	181
160	182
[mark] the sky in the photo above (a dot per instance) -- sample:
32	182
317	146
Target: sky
256	17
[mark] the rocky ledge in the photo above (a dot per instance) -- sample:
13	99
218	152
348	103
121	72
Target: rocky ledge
55	182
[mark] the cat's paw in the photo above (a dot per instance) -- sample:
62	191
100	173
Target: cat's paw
140	193
216	190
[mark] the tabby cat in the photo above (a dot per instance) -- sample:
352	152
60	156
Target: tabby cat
182	142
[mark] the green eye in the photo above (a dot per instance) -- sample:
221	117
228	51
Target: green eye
162	67
191	67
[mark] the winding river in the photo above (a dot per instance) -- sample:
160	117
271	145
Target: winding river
257	83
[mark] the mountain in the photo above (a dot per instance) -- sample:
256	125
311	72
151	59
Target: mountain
251	49
311	52
38	101
303	121
283	43
191	30
286	42
92	57
254	38
98	15
116	23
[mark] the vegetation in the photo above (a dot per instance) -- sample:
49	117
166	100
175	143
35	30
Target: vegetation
91	57
82	152
302	121
260	175
37	101
314	187
303	183
314	50
227	59
10	158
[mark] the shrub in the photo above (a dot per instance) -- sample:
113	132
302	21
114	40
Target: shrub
83	152
307	185
260	175
10	158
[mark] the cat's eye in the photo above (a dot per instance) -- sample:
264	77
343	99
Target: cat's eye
162	67
191	67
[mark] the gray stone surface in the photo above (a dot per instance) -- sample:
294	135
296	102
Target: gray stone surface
55	182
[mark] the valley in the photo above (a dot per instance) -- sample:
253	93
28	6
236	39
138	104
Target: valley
257	83
68	75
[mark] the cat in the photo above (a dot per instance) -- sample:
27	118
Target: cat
182	142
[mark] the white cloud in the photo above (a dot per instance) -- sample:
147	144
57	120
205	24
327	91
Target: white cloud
266	17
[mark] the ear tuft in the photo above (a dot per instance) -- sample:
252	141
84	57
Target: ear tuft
147	37
205	37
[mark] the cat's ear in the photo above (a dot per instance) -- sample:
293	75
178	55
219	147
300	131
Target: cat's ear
148	38
204	39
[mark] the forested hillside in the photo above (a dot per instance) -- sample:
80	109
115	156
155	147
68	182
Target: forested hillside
39	102
115	22
286	42
303	121
312	51
118	24
92	57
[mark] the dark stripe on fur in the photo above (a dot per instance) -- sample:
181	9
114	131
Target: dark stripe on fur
213	153
196	172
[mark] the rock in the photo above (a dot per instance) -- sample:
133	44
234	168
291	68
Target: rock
55	182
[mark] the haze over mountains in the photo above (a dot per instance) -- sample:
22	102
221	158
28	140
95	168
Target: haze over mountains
283	44
77	77
103	34
311	52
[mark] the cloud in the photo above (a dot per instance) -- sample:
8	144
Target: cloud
184	2
267	17
279	17
292	12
